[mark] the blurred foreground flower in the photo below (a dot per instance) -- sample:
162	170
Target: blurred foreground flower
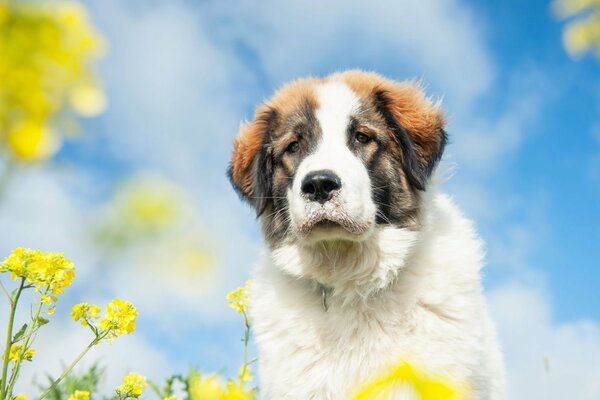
406	377
583	33
46	74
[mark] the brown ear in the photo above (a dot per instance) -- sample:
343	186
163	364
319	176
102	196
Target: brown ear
417	125
250	169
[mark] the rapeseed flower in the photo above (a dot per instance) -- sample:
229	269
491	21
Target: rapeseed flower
85	313
46	74
80	395
49	272
16	350
405	375
133	386
119	318
237	391
583	33
238	299
205	388
20	396
171	398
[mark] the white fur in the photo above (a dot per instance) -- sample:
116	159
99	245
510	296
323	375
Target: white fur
336	104
398	296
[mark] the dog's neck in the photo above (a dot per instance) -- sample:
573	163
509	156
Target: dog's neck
349	271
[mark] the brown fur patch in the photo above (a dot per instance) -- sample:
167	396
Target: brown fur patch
418	114
249	141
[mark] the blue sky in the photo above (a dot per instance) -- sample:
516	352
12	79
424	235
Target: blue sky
524	163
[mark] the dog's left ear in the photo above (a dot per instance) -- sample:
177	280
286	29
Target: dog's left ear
250	169
417	125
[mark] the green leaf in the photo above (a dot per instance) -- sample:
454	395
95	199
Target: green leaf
41	321
17	336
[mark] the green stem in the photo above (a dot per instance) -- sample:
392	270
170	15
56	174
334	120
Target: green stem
26	343
246	340
70	367
11	320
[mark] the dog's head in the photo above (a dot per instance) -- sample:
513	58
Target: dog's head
337	158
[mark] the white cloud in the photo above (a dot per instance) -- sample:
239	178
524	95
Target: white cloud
171	88
546	360
440	41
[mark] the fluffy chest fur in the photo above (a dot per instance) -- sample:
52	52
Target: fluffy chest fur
430	313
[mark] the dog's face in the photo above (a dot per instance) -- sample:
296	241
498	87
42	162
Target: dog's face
335	158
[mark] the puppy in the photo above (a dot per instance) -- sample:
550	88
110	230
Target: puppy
365	264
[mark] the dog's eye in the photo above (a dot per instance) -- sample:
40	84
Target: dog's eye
362	138
292	147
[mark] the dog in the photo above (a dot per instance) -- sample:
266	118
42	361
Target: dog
366	265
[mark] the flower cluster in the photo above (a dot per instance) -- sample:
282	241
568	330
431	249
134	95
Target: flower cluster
119	319
133	386
16	352
46	71
582	34
49	273
238	299
85	313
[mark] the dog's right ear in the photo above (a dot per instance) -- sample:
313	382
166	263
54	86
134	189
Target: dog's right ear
251	167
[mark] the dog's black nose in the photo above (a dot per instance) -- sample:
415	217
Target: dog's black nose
320	185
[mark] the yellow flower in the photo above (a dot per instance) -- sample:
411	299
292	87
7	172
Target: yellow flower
16	350
236	391
80	395
238	299
133	385
205	388
50	273
171	398
583	33
20	396
119	318
426	386
48	50
85	313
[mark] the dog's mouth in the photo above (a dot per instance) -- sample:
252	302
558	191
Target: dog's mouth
331	223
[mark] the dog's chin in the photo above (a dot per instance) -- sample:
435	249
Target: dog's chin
331	229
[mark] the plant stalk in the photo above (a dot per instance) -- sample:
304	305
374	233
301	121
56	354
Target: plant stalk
27	339
72	365
11	320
